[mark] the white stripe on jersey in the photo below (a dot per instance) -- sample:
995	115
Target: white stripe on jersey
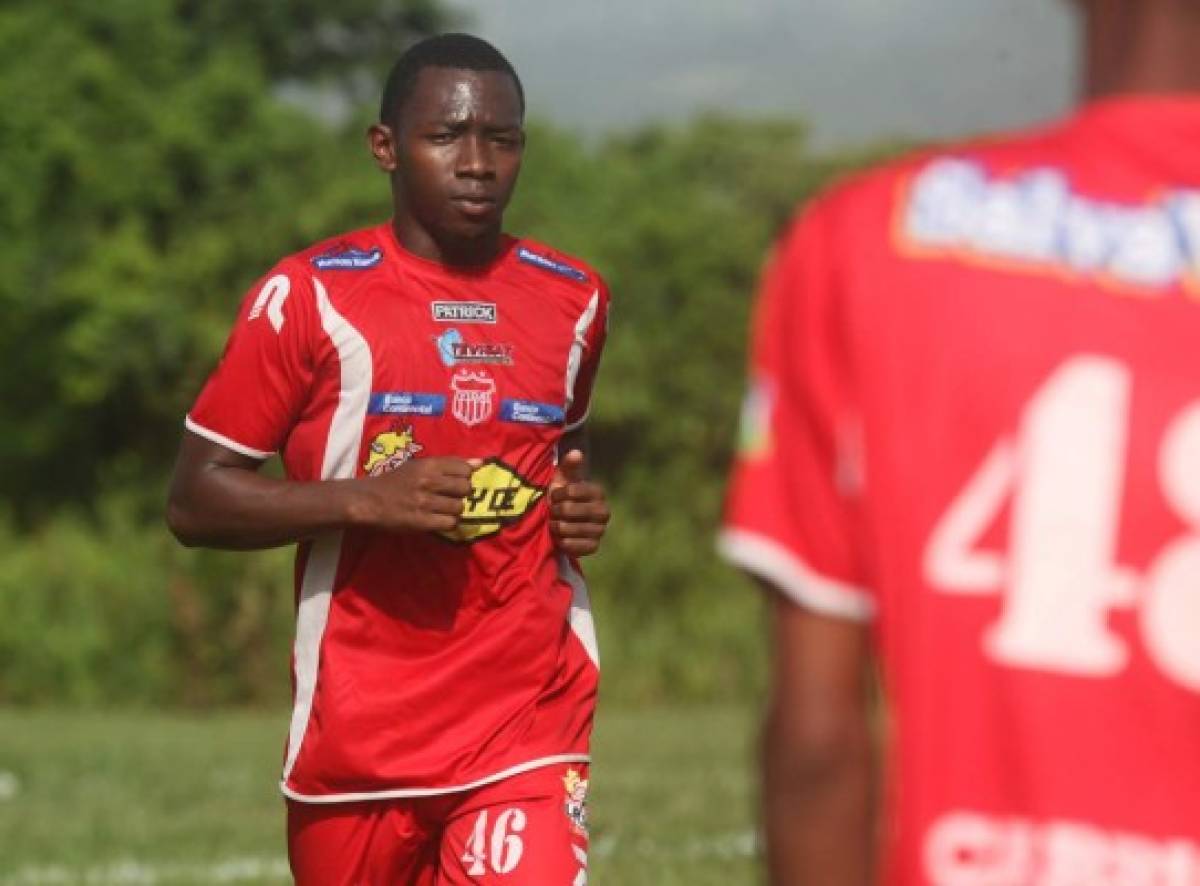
406	793
208	434
580	616
578	423
768	559
339	463
575	357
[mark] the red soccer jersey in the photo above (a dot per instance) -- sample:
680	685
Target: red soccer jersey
975	421
423	664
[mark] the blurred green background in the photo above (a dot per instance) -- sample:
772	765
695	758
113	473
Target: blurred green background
158	156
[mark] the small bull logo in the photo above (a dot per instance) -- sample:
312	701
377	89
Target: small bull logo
389	450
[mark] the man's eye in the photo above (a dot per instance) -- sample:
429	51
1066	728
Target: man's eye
441	138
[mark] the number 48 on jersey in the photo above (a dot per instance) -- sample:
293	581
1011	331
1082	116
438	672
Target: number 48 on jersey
1064	471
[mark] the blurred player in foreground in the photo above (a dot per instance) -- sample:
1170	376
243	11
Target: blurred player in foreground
426	382
971	454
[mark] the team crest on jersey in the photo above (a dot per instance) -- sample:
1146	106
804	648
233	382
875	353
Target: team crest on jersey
576	802
499	497
390	450
454	351
349	259
474	390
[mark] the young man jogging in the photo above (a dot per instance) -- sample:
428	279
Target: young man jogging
426	383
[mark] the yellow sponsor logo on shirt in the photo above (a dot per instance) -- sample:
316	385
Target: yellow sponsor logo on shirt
499	497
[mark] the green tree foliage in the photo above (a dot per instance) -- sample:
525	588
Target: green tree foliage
149	168
307	39
152	171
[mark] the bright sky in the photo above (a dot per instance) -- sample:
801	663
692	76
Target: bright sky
855	69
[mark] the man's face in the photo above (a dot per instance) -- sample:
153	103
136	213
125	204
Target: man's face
458	143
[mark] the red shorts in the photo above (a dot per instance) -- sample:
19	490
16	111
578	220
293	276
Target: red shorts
527	829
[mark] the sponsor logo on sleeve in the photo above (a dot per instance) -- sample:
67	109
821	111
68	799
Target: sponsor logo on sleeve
499	497
454	351
530	412
391	449
406	403
473	391
271	298
463	311
548	264
349	259
754	427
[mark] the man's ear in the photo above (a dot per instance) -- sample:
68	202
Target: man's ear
382	144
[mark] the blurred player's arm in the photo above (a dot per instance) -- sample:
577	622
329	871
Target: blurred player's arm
818	792
793	521
579	511
219	499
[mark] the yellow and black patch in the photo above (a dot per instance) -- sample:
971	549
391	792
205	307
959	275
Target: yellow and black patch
499	497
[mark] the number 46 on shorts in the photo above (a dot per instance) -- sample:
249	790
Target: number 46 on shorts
496	847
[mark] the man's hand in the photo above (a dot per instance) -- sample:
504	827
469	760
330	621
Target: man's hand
422	495
578	508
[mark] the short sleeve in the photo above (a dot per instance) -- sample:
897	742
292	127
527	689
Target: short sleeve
591	331
254	397
794	500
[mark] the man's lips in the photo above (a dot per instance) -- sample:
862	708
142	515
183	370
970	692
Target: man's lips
473	197
474	204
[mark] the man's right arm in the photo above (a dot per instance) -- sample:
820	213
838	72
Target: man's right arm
818	789
219	500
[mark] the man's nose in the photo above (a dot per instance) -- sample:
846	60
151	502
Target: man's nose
475	158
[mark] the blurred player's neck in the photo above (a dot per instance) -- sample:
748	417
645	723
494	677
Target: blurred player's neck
1142	46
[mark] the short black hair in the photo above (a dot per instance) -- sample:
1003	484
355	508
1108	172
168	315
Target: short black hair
462	51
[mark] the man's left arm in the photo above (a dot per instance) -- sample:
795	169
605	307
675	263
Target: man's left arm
579	509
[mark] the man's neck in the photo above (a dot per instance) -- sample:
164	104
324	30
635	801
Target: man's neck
458	253
1142	46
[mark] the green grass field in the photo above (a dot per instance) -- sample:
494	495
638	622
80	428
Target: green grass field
135	798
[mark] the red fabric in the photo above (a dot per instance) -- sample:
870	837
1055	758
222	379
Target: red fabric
981	370
442	661
517	830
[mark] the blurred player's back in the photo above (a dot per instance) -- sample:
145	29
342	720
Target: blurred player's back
977	424
1026	344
